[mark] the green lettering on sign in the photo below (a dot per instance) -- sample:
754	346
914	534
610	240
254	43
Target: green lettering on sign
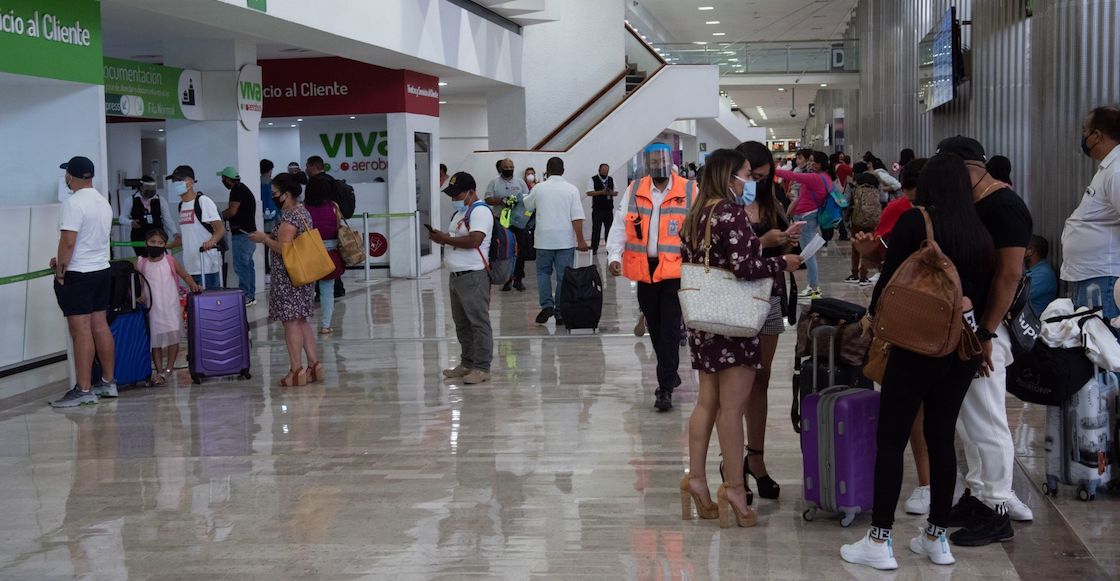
331	147
261	5
252	91
54	39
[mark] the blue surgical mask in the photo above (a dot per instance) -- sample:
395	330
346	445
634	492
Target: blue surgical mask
458	205
177	188
750	192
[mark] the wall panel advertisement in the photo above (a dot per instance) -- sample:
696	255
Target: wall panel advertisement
54	39
135	89
338	86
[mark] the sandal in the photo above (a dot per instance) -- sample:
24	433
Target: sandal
315	372
296	378
326	330
159	380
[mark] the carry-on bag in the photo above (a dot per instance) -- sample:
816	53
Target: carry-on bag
814	373
218	334
581	297
1079	438
128	321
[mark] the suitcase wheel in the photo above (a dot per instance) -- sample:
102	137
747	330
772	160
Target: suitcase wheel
197	379
246	375
1051	491
809	514
1084	495
848	519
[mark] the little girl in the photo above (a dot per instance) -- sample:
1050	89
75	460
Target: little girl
162	296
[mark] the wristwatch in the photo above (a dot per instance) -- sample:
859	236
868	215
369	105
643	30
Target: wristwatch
984	334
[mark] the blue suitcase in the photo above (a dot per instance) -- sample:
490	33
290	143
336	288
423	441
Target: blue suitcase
132	348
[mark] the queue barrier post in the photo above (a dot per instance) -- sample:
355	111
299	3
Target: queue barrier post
365	242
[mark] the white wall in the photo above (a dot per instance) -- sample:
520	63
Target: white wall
281	146
462	131
45	123
125	159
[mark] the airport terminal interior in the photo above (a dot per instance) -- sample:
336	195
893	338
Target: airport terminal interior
456	419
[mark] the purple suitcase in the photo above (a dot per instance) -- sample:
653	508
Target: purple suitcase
218	330
838	431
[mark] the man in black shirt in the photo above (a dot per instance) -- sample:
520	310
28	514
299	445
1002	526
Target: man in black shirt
320	183
989	505
602	205
242	217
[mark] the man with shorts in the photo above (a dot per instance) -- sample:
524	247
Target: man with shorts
81	282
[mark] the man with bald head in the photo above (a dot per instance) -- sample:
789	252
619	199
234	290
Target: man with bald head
506	194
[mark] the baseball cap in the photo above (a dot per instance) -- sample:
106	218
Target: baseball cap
183	171
79	167
229	172
459	183
968	148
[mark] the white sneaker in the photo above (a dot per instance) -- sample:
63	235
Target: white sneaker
918	503
868	552
937	550
1018	511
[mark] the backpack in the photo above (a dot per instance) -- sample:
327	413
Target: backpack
223	246
344	197
503	249
866	209
921	309
832	210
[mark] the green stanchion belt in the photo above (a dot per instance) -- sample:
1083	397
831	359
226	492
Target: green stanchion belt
396	215
26	276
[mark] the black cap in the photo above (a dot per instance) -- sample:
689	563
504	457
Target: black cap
968	148
79	167
459	183
183	171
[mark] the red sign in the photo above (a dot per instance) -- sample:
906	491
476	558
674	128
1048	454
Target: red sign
338	86
378	245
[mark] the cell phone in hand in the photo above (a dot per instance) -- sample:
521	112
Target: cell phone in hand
429	227
795	228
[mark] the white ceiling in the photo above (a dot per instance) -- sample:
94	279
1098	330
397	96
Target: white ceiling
752	20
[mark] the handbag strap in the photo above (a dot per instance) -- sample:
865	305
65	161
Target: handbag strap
707	244
929	224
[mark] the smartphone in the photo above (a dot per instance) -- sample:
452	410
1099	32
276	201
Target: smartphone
429	227
795	228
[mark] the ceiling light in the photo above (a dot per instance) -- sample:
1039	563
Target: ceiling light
754	123
443	102
781	89
762	113
700	42
352	117
270	124
294	125
824	84
442	84
160	130
300	120
705	7
732	60
719	34
712	22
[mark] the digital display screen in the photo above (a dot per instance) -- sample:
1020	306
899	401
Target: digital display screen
938	53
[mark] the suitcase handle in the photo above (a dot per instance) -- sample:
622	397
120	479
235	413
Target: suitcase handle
813	336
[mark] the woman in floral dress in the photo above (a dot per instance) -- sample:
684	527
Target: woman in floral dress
291	305
727	365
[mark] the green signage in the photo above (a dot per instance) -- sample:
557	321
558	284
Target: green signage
134	89
54	39
261	5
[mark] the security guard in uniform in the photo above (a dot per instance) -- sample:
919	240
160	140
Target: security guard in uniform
644	245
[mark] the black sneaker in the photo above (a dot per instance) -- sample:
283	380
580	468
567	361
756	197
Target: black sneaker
995	527
664	400
518	285
853	279
545	315
967	511
507	286
75	398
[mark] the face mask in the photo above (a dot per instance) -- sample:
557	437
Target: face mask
750	192
507	173
177	188
458	205
1085	146
659	173
530	178
155	251
147	194
278	200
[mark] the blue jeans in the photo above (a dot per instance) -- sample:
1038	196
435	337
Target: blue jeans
547	261
810	230
213	281
326	302
1083	295
243	249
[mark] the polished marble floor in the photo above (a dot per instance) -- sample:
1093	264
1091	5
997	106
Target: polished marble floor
557	469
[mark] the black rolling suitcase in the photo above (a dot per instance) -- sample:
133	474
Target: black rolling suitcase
581	298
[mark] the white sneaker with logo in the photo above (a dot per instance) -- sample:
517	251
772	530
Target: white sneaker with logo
918	503
867	552
1018	511
937	549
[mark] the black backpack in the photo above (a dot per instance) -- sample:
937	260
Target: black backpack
223	246
344	197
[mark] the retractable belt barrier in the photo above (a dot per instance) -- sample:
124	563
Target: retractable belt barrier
415	215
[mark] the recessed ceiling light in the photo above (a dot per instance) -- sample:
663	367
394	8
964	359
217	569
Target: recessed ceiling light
443	102
781	89
300	120
160	130
824	84
705	7
700	42
732	60
352	117
712	22
442	84
719	34
270	124
294	125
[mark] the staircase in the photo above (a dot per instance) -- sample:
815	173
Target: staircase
634	77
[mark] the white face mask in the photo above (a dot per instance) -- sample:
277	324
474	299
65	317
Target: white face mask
531	177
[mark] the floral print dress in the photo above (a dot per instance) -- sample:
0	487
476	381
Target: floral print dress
735	247
287	302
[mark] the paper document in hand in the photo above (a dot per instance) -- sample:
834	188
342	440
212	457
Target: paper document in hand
812	247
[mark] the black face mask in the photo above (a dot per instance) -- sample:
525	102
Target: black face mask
507	173
155	251
278	200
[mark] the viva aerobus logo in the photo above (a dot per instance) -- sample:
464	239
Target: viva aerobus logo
254	92
362	144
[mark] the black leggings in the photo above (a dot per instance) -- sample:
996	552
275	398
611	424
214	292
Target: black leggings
910	381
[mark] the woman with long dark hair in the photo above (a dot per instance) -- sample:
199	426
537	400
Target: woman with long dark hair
814	190
325	218
727	365
912	381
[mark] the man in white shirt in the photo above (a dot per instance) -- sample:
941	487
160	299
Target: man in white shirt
1091	238
200	229
559	233
468	246
82	281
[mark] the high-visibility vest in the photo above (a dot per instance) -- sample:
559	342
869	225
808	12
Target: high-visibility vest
674	210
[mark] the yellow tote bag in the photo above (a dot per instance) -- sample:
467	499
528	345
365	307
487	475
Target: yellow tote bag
306	258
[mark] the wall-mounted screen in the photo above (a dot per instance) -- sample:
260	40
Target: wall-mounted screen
940	66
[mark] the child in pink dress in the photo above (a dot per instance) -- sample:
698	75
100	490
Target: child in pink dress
162	296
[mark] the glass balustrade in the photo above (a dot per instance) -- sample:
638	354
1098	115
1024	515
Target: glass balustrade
822	56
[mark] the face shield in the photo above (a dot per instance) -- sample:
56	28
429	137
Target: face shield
657	160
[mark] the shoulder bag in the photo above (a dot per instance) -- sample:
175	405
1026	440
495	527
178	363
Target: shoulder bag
349	242
306	258
714	300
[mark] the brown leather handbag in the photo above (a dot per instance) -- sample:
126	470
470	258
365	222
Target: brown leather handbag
921	309
877	358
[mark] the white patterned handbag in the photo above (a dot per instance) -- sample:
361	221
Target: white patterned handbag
716	301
